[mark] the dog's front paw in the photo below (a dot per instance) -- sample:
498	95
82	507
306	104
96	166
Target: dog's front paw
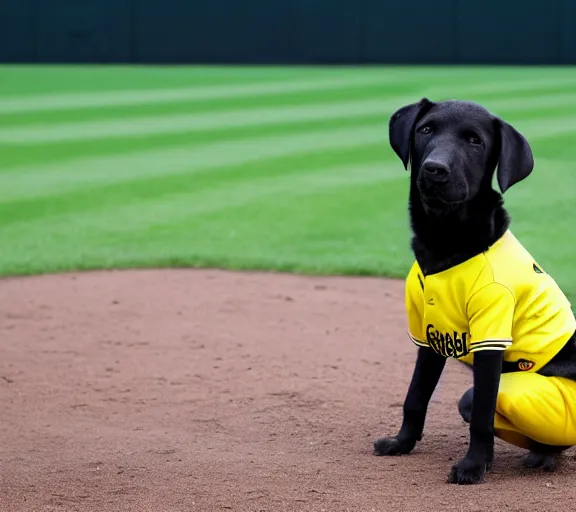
392	446
467	472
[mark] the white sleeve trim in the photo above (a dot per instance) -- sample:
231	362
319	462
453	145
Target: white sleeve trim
418	342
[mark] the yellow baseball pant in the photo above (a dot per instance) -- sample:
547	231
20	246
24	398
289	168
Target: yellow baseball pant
533	407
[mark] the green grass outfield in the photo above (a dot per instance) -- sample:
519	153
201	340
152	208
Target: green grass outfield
261	168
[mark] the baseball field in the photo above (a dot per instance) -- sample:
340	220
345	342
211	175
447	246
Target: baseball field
202	301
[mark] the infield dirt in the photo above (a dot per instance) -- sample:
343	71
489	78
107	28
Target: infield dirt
205	390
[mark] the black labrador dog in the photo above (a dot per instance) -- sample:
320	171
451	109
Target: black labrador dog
453	149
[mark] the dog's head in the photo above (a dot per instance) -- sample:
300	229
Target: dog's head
453	148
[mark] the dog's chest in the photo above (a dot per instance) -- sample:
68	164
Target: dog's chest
446	324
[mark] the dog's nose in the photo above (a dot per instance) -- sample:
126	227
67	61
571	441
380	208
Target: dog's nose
436	171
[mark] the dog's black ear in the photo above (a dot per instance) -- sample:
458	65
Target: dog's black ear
401	125
516	160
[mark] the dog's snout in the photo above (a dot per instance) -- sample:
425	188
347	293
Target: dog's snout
436	171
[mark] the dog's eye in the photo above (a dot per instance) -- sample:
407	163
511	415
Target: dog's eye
426	129
475	140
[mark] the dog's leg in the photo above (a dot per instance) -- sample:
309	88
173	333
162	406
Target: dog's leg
472	468
541	456
427	371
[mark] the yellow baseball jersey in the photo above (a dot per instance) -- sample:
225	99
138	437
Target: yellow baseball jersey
500	299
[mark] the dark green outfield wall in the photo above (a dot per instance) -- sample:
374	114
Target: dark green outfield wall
289	31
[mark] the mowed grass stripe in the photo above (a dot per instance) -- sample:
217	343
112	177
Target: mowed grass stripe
23	80
16	158
248	83
85	228
97	198
22	111
137	97
317	97
144	126
36	181
138	127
